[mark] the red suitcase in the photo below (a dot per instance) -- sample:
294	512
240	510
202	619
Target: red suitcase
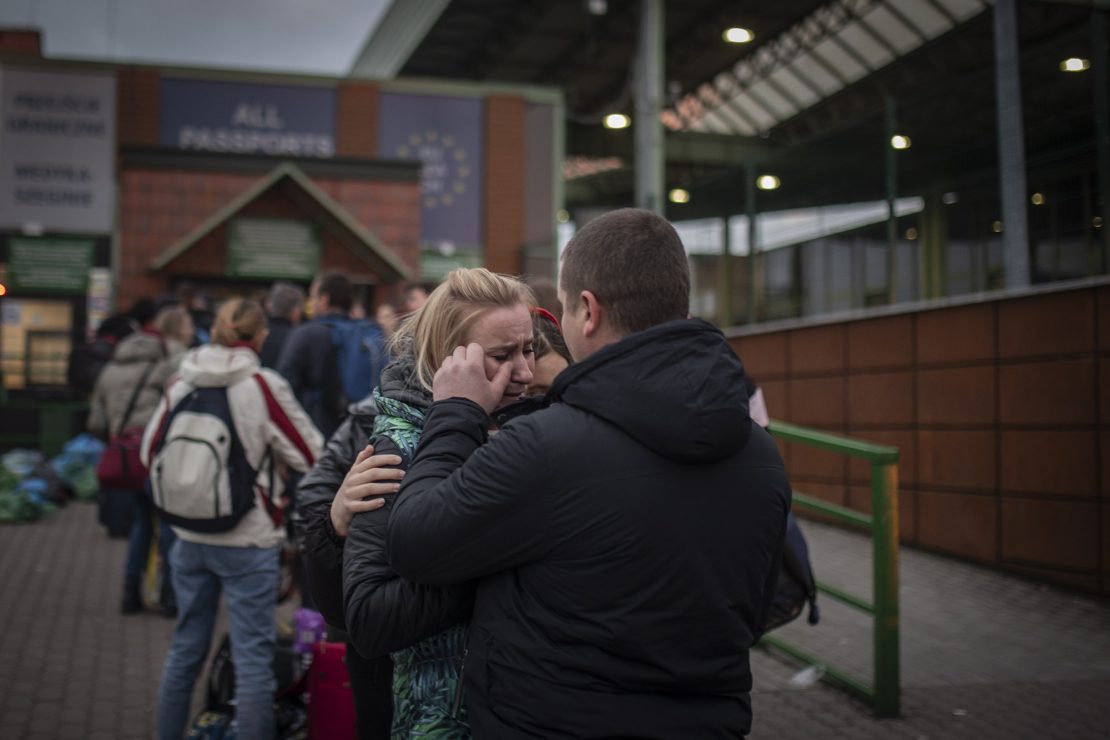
331	704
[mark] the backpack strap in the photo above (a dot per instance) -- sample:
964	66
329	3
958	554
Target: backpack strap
135	395
278	416
273	410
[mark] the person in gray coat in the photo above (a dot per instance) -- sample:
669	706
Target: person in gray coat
140	367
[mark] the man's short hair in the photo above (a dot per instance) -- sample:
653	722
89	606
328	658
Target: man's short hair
337	288
634	263
284	298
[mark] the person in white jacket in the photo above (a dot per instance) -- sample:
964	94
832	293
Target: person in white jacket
242	562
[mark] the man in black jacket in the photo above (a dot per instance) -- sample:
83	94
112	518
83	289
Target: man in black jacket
623	538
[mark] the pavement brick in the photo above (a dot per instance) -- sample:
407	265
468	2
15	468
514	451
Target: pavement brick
984	654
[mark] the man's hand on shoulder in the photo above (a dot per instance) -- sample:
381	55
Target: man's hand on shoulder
463	375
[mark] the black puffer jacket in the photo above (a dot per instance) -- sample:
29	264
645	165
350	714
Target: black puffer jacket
624	537
371	679
384	612
323	548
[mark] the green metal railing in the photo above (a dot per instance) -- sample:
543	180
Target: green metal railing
885	691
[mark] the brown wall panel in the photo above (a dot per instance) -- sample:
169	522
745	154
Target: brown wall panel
964	395
1047	393
880	343
1105	528
774	396
859	498
903	439
962	334
818	402
1061	462
1011	408
959	523
819	349
763	355
1044	325
1103	318
1063	533
1104	388
1104	466
960	459
805	463
880	399
830	492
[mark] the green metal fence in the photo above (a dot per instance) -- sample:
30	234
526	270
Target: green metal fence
885	691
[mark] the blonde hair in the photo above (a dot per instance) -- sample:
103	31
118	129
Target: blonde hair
442	323
239	320
172	323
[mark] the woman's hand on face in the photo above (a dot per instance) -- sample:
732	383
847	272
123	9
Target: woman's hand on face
463	375
369	476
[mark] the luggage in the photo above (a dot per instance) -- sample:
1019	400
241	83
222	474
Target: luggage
212	724
331	703
290	717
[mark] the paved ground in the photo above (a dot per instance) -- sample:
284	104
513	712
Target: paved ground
984	655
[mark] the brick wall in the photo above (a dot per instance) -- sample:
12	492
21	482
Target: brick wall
1001	412
26	42
137	106
357	120
505	183
159	207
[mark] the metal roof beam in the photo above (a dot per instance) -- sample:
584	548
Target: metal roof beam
395	38
681	146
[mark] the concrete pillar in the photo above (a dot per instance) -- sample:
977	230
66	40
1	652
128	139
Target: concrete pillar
1011	145
649	102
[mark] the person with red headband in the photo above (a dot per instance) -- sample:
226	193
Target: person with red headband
423	629
626	537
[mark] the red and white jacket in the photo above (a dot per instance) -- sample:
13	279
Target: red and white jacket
267	417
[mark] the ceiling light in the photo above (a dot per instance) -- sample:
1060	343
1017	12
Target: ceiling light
996	227
678	195
617	120
1037	199
1075	64
900	141
739	36
597	7
767	182
1097	222
562	216
950	199
911	234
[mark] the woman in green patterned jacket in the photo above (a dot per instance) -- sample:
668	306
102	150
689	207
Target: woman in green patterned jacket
424	627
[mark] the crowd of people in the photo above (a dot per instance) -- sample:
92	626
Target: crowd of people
532	511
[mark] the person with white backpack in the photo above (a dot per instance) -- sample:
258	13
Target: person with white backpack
215	450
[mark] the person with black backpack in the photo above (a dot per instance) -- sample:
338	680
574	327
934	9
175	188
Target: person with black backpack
333	360
215	450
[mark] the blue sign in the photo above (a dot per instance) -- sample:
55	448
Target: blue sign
277	120
446	135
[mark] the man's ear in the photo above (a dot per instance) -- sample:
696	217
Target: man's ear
591	324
